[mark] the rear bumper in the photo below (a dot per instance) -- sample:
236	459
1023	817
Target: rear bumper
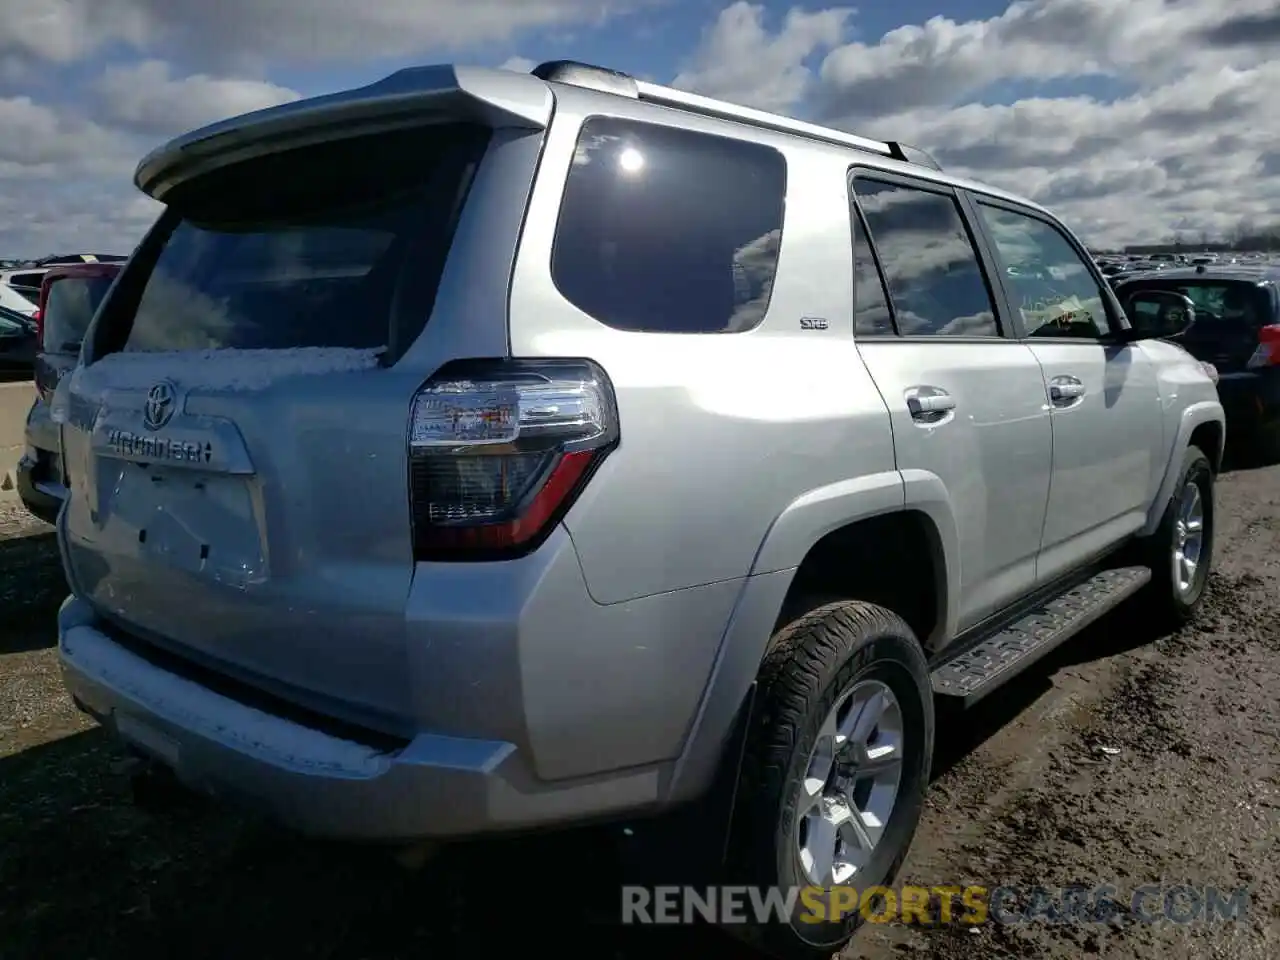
39	474
39	494
41	431
535	706
433	787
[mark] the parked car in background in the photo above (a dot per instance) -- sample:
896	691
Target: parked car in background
68	298
1237	329
79	258
14	300
17	343
25	281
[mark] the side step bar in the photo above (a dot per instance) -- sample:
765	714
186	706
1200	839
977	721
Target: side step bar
976	671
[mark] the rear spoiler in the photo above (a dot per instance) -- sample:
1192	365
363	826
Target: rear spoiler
406	98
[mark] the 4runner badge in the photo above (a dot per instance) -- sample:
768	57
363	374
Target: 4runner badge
161	402
135	446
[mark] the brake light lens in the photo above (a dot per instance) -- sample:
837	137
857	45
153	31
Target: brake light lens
499	450
1267	353
38	317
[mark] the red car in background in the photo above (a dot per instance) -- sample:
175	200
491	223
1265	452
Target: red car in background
69	297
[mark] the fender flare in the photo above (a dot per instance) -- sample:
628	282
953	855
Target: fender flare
813	515
1195	415
800	525
925	492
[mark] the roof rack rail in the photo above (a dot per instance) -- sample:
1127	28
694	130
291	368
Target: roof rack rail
575	73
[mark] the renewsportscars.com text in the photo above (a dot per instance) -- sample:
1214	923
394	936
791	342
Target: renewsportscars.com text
969	905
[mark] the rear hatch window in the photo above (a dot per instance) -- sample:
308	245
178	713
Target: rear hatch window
68	309
338	245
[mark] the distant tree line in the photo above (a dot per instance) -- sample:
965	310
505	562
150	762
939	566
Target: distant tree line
1245	237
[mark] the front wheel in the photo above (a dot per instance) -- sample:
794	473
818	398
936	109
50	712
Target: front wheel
834	773
1180	552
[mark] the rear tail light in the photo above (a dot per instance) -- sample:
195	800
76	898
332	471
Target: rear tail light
499	450
38	317
1268	352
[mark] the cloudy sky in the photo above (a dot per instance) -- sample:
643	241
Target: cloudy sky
1136	119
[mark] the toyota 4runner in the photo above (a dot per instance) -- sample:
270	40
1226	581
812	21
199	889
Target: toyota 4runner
475	452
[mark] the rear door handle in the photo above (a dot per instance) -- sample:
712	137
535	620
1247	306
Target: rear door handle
929	405
1065	391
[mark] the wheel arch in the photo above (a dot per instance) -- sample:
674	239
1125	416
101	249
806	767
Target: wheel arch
1200	423
910	510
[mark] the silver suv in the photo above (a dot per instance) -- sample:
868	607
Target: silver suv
475	452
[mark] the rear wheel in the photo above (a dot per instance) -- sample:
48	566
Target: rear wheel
835	770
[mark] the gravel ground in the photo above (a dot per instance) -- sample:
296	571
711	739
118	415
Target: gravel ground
1127	759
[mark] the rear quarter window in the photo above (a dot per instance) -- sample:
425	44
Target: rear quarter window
665	230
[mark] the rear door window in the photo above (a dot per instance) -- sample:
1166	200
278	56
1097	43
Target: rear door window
313	247
669	230
935	282
871	315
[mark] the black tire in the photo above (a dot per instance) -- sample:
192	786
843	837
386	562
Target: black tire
812	663
1165	602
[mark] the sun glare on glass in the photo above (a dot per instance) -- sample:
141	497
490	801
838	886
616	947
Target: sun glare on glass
631	160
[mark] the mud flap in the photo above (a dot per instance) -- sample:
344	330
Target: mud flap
688	845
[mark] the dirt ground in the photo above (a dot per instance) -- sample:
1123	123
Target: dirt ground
1128	759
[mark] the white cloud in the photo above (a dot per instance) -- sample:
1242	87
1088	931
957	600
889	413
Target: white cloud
293	31
1186	151
941	61
37	140
518	64
67	180
1188	144
739	58
106	216
146	98
62	31
176	64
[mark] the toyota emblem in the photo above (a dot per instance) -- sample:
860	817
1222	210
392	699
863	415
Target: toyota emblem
161	401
